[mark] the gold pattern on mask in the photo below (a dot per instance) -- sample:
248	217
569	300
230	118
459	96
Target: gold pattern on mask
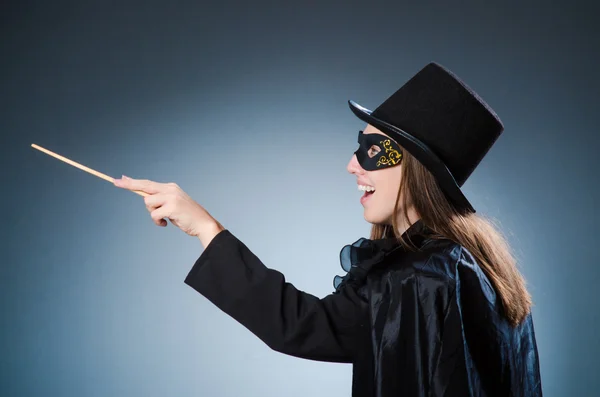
393	156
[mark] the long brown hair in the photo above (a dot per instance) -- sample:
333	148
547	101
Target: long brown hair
475	232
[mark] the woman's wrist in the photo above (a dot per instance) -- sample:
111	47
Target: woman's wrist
209	232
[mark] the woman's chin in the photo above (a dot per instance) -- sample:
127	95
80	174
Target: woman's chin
375	219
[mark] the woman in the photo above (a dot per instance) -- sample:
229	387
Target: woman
432	304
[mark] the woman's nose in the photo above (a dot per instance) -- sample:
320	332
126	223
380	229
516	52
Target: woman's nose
353	166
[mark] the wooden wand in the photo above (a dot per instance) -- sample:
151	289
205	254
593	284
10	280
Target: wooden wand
82	167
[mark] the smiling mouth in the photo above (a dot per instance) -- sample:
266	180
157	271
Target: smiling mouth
366	196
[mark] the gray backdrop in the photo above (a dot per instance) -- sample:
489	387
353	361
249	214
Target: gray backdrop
243	104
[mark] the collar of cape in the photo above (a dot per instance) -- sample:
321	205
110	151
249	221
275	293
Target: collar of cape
358	258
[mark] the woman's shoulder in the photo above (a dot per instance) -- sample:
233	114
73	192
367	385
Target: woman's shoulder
440	265
440	258
435	257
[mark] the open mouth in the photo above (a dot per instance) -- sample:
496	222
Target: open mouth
366	196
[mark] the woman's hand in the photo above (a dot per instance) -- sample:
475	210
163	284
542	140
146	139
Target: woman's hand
168	200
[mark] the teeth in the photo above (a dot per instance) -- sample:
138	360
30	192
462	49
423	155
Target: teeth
367	188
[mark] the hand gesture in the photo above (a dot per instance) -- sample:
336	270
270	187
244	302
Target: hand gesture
168	200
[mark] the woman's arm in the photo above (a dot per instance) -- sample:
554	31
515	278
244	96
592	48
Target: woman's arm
288	320
229	275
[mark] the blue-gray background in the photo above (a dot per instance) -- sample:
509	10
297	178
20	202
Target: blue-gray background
243	104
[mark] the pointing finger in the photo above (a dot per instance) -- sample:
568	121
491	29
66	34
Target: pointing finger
143	185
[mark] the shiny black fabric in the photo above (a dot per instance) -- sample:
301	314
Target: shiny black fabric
423	323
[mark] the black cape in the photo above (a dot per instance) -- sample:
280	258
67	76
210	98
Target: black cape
423	323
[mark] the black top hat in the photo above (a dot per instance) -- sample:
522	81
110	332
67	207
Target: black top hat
442	122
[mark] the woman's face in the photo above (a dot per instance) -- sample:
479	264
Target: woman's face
379	205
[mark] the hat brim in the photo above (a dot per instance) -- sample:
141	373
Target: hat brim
421	152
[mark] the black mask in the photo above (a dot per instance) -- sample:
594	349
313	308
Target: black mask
389	153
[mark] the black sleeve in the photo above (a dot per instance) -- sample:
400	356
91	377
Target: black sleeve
288	320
